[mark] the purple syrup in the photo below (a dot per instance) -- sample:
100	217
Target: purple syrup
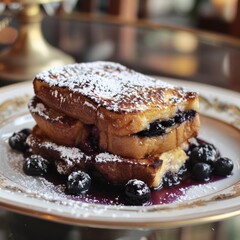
103	193
99	192
171	195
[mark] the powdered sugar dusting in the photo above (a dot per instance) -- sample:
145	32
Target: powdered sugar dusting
107	157
69	155
110	85
40	109
89	105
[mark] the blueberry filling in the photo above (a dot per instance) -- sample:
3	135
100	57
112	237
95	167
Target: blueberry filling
184	116
158	128
91	144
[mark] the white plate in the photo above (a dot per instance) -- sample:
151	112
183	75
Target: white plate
202	203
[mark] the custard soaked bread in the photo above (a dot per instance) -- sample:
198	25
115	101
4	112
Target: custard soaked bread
113	168
131	115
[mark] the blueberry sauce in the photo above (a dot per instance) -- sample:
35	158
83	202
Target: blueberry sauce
103	193
159	127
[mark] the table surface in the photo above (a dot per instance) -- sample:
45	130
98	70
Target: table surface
151	49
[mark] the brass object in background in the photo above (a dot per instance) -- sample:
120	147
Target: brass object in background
30	53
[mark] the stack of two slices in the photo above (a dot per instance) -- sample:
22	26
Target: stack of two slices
104	118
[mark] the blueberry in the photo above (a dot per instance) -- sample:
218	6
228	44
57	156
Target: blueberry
26	131
137	192
155	129
205	153
201	171
171	179
78	183
190	114
183	169
184	116
223	167
18	141
35	165
168	123
190	149
180	117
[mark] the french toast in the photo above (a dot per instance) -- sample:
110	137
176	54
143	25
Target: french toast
104	118
110	96
72	132
113	168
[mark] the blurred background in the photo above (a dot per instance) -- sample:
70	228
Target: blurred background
220	16
187	39
210	15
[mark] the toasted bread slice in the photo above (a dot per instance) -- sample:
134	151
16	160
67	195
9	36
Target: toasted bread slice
115	169
57	126
135	146
114	98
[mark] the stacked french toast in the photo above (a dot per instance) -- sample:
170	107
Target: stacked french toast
113	122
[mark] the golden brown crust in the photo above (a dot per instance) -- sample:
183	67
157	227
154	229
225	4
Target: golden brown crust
57	126
74	105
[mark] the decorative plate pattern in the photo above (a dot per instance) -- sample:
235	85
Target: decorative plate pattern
202	203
